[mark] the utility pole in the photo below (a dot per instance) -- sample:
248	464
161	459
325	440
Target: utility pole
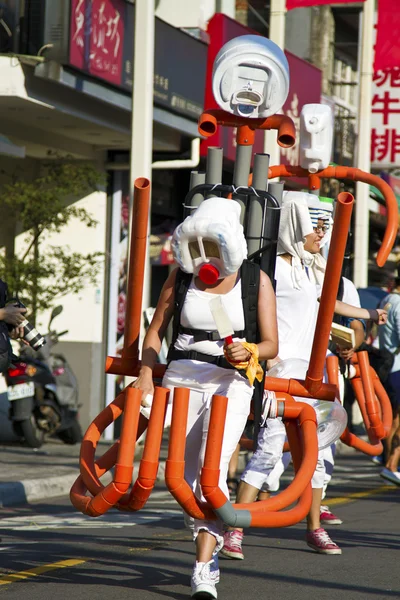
361	232
142	108
277	19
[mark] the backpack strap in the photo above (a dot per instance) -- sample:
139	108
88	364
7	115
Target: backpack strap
250	278
182	283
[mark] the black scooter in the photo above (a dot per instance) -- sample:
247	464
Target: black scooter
43	393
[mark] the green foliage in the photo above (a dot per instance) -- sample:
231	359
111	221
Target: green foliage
42	206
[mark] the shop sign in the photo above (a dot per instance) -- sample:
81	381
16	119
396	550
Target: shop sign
385	121
101	44
96	38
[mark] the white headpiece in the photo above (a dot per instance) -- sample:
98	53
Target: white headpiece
295	225
212	235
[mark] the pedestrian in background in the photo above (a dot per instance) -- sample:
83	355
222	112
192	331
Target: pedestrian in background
389	339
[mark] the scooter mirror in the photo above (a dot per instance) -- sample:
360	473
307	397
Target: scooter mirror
54	313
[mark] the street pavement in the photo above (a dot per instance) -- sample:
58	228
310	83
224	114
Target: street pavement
50	550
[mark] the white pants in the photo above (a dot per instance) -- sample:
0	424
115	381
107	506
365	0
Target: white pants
204	380
268	456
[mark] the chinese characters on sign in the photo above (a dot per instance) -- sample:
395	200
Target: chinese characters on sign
101	44
385	133
97	35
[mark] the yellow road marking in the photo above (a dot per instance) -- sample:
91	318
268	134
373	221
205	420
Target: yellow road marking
21	575
358	495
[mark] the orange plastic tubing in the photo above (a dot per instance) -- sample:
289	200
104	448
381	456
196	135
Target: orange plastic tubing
140	218
384	400
348	438
302	508
296	387
109	495
356	175
175	464
330	288
376	430
210	119
148	468
264	514
332	370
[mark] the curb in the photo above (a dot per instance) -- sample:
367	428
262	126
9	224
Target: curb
33	490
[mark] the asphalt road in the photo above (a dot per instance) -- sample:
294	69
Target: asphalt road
49	551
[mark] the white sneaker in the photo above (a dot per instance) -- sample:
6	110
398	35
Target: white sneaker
203	581
390	476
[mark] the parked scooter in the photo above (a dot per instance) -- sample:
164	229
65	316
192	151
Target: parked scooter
43	392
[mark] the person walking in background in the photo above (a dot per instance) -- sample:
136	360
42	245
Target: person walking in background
389	339
299	274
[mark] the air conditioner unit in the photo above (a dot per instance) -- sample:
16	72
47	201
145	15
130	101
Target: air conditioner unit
45	29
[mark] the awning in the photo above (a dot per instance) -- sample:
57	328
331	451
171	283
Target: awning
9	149
45	107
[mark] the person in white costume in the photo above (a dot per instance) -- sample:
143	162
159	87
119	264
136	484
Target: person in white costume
210	245
299	276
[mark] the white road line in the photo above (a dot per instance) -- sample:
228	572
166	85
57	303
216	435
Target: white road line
78	521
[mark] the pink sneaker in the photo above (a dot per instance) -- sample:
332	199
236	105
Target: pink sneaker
233	544
320	541
328	518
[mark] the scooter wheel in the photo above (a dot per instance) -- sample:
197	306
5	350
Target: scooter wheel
72	435
33	436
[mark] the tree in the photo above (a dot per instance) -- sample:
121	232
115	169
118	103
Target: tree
40	275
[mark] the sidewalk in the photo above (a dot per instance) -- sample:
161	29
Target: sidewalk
27	475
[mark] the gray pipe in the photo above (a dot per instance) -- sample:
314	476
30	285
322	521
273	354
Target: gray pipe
215	157
241	174
276	190
270	231
256	204
196	178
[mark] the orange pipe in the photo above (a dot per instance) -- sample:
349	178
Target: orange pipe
376	430
304	450
352	440
259	511
209	480
296	387
124	366
90	440
374	447
108	496
140	218
148	468
355	175
302	508
330	288
332	370
359	393
210	119
175	464
386	407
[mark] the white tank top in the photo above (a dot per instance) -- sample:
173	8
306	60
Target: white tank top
196	314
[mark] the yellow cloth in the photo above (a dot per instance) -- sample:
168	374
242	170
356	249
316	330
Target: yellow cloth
252	366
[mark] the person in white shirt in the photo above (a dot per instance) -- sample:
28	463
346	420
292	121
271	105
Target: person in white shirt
299	276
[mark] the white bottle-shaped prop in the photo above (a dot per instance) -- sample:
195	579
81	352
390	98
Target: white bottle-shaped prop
251	77
316	137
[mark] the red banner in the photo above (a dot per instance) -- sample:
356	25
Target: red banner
97	38
303	3
387	49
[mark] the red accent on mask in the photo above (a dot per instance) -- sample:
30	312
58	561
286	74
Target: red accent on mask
209	274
